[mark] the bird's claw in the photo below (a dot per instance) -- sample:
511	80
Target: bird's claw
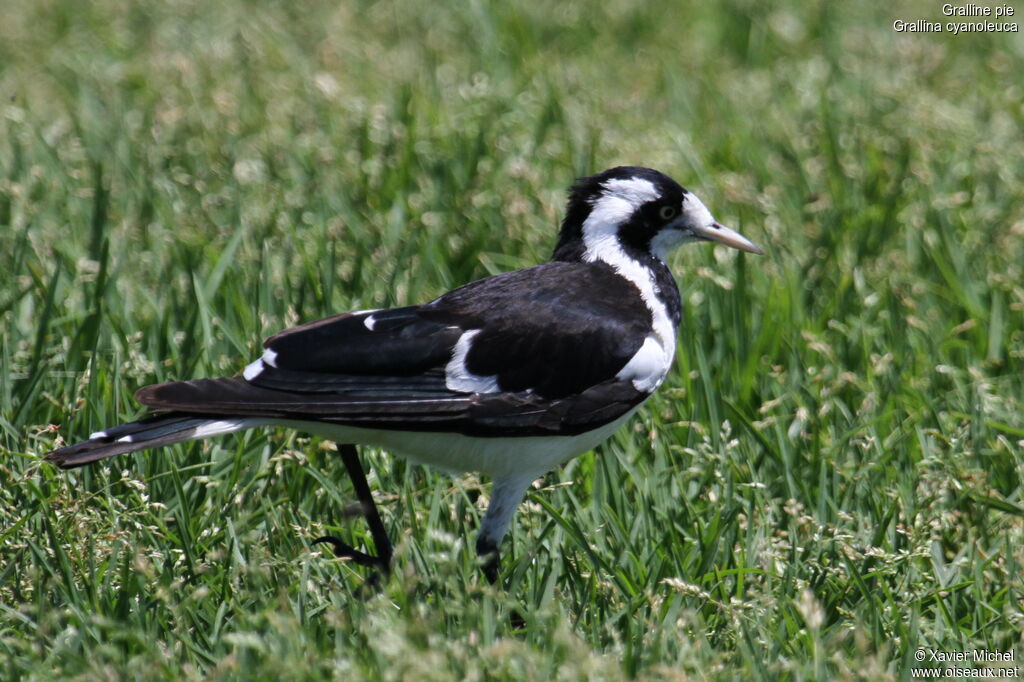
343	550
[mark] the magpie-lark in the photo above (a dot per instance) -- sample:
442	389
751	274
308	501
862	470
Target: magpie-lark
510	376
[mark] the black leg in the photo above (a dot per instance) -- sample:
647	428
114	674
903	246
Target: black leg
369	508
487	550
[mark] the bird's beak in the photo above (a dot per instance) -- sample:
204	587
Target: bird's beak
723	235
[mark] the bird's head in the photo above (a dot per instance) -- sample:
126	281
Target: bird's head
636	212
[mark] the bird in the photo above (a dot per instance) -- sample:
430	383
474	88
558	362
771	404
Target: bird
510	376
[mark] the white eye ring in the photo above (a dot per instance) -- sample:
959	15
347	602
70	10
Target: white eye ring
667	212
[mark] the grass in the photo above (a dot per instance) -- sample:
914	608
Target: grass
829	480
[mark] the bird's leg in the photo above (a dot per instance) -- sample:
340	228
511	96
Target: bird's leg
506	494
490	558
369	508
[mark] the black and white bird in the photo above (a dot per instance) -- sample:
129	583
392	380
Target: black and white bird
510	376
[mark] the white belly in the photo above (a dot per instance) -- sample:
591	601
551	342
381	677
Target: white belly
454	452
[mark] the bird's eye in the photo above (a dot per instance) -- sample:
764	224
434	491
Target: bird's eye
667	212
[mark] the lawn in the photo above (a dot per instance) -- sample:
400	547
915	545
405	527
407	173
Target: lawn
828	483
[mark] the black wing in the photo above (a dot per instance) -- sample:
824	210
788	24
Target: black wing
399	341
554	329
553	337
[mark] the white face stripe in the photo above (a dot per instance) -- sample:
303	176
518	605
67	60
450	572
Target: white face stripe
457	376
618	202
601	243
603	247
695	212
636	191
695	216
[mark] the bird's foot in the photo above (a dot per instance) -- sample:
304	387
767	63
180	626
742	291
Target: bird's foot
490	557
491	566
367	508
343	550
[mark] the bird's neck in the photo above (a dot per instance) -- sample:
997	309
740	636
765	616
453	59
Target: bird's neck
592	242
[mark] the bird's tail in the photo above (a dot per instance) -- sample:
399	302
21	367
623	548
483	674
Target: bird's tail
164	429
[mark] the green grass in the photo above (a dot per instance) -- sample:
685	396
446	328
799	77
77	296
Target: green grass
830	478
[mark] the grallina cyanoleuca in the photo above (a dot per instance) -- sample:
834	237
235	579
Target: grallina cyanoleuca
510	376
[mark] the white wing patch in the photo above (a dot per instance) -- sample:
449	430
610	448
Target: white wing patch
648	366
254	369
457	376
221	426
